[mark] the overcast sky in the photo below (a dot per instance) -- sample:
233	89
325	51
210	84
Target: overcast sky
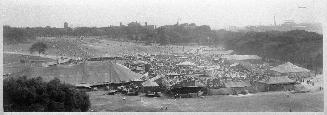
215	13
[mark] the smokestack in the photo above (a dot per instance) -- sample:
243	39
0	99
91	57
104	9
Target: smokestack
274	21
146	23
120	24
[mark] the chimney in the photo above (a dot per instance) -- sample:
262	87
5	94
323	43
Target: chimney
274	21
146	23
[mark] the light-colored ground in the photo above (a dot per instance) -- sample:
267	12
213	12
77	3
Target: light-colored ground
83	48
92	47
261	102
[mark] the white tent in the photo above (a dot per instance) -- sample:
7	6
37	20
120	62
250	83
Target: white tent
186	63
289	68
240	57
149	83
234	64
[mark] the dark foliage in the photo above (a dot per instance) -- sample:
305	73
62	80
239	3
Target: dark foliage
297	46
16	35
40	47
27	95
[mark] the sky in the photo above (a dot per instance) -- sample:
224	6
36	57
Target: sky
215	13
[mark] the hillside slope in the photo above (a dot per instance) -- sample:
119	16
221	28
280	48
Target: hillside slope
298	46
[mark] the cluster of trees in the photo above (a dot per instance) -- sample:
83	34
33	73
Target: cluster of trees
297	46
13	35
185	33
178	33
21	94
39	47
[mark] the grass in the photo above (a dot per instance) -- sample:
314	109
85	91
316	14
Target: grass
12	64
92	47
261	102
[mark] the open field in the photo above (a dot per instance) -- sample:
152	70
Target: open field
260	102
12	64
93	47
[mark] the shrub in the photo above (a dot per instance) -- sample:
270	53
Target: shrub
244	92
40	47
26	95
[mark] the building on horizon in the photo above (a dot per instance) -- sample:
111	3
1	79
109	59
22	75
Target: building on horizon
66	25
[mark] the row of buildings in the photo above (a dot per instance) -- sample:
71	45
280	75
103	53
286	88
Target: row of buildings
288	25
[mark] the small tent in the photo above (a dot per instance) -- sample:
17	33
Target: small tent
289	68
237	87
276	84
187	87
186	63
149	83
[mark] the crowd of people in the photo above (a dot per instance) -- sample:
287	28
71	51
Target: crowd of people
206	70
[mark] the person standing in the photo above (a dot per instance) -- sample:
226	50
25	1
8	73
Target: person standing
124	99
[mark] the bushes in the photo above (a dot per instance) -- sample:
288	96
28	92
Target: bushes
13	35
25	95
244	92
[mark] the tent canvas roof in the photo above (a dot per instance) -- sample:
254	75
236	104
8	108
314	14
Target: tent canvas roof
157	77
288	68
240	57
234	64
186	63
88	72
149	83
83	85
277	80
172	74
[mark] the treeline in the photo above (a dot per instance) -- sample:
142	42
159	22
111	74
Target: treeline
13	35
21	94
297	46
178	33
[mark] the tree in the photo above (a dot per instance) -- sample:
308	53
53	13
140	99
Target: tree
21	94
40	47
16	35
162	36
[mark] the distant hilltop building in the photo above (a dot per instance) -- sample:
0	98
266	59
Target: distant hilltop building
232	28
133	24
65	25
288	25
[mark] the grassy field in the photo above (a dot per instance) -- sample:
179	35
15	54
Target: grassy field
93	47
260	102
12	64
